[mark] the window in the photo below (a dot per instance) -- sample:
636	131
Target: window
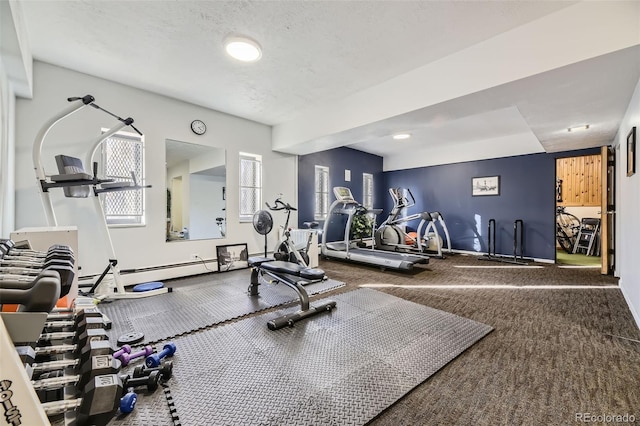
122	155
250	185
367	190
321	193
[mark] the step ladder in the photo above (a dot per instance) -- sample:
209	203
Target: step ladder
588	239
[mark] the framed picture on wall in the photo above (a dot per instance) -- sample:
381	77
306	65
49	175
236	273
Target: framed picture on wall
232	256
485	185
631	152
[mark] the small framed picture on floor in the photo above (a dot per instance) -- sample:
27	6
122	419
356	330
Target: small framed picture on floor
232	256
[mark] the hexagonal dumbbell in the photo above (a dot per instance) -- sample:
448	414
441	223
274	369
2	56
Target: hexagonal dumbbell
165	369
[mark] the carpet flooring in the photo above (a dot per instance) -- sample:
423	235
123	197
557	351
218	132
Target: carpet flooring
550	358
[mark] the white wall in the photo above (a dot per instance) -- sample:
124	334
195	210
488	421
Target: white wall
581	212
206	204
159	118
628	210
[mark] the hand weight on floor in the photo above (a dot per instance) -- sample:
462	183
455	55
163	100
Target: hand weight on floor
125	358
165	370
154	360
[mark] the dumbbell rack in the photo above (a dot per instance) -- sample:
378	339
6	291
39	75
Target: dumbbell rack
19	399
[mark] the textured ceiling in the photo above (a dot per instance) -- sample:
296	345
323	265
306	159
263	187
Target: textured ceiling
314	53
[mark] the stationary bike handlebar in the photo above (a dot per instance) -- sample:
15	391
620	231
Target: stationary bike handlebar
279	205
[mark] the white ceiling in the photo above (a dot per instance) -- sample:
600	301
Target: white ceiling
318	53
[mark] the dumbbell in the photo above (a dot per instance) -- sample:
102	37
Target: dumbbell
8	247
124	349
84	353
79	329
97	366
21	277
80	356
165	370
127	357
98	404
153	360
41	296
77	314
58	252
78	324
128	401
151	381
75	338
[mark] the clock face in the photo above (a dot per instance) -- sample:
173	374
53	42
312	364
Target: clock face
198	127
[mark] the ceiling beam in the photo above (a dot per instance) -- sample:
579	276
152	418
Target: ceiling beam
576	33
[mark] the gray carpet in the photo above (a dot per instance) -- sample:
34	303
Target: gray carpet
339	368
197	303
551	354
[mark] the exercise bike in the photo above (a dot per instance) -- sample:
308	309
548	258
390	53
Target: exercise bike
219	222
286	249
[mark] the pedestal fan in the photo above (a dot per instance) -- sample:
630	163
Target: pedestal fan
263	224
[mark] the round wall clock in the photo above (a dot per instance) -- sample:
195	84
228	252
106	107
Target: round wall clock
198	127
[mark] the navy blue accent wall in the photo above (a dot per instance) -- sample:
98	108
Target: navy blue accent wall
527	192
337	160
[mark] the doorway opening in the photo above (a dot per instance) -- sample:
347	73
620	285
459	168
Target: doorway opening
578	210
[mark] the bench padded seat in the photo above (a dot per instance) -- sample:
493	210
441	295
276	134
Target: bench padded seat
290	268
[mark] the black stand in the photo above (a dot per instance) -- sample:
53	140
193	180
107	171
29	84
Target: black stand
518	237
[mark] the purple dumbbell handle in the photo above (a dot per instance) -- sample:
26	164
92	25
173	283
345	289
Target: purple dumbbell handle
125	358
124	349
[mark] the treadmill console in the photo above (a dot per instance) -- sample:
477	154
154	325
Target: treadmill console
343	194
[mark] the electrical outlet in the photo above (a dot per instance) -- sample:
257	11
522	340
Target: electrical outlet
195	256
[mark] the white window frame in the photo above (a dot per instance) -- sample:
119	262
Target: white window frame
139	217
320	210
244	214
367	190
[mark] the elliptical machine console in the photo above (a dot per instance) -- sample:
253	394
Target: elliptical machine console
391	235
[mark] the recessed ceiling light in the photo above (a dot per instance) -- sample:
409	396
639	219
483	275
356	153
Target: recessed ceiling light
578	128
243	48
401	136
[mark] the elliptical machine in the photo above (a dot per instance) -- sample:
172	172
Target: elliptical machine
286	249
391	236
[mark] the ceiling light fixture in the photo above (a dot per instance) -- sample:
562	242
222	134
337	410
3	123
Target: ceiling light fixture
578	128
243	48
401	136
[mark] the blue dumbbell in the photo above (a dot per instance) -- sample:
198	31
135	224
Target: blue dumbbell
128	402
154	360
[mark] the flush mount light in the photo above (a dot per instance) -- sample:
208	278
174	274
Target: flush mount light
578	128
243	48
401	136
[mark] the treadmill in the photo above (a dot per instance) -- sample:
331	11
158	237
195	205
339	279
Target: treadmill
346	205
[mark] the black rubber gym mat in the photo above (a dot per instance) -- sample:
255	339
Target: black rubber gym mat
342	367
193	307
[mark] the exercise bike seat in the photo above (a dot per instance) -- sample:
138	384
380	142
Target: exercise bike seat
311	225
290	268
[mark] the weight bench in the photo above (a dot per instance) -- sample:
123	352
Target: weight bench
292	275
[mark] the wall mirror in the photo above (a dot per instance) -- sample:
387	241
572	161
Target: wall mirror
196	191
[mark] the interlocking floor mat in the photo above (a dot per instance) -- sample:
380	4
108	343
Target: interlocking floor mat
193	307
342	367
